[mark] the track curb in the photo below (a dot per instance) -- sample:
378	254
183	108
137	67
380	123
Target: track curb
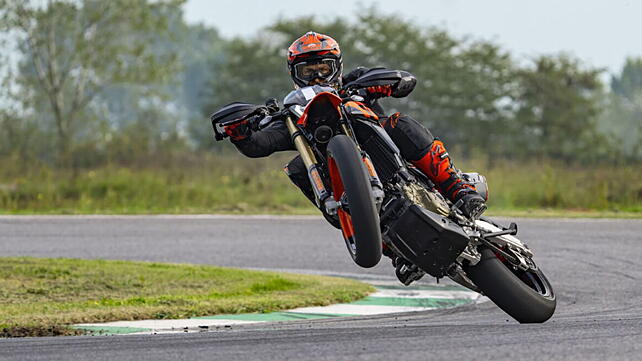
389	298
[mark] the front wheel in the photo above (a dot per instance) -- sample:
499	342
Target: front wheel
360	220
527	296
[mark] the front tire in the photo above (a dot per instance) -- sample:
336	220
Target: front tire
526	296
360	224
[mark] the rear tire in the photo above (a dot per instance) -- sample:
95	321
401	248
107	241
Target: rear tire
361	224
531	300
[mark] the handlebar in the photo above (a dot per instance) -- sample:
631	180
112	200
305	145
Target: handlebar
265	115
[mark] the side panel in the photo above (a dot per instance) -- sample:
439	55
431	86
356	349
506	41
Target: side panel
430	241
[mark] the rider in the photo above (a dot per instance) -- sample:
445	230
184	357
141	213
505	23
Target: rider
316	59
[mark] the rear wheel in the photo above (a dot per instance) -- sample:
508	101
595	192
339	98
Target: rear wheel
351	185
527	296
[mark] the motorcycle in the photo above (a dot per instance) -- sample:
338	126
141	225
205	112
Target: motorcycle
382	202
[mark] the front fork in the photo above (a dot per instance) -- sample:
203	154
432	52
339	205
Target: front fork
311	165
322	194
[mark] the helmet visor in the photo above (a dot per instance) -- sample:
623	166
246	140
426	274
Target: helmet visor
323	69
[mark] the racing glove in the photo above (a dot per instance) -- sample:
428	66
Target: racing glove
239	131
379	91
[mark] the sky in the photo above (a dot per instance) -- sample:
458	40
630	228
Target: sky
601	33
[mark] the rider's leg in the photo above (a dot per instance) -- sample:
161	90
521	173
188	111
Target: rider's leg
427	153
295	169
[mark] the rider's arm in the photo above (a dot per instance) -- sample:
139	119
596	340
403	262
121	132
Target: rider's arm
262	143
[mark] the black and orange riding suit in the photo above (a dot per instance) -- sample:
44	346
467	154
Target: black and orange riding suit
415	142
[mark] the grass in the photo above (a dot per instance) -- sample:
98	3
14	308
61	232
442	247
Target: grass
543	185
41	297
210	185
562	213
238	185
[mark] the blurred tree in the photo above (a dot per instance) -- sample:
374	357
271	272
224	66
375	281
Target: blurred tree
558	105
629	82
172	115
622	123
622	119
17	129
7	113
73	49
202	53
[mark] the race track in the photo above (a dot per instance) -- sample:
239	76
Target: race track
594	265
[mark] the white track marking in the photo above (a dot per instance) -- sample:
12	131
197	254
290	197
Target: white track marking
410	293
169	324
357	310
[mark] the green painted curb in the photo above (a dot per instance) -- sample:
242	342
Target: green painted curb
113	330
412	298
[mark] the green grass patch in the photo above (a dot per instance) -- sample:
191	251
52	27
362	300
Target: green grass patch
562	213
233	184
42	297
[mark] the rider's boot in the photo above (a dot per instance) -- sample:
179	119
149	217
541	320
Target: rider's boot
437	165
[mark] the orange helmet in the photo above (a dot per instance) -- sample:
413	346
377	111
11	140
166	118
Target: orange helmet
315	56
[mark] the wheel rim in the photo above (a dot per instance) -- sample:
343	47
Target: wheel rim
533	278
537	282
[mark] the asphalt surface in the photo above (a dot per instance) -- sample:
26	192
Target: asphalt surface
595	267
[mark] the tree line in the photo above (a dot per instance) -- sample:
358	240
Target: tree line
88	82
